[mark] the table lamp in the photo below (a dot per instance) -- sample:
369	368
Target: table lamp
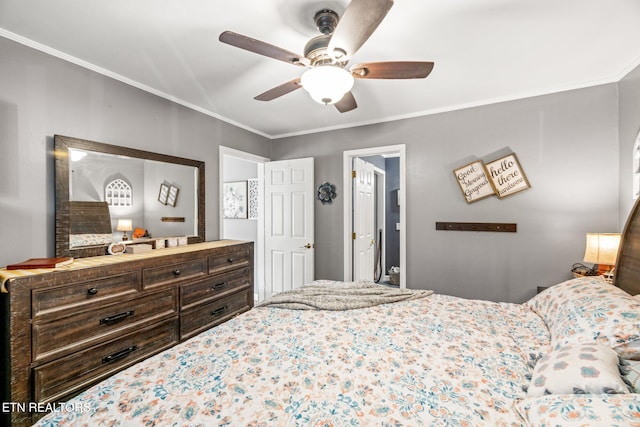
124	225
602	251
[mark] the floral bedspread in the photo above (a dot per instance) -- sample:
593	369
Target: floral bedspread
436	361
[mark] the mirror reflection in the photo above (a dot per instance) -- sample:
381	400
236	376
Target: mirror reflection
139	193
108	193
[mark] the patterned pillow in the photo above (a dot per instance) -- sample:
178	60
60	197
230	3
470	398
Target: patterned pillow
631	374
588	309
578	410
579	369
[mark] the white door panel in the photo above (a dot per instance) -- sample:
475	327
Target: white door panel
363	221
289	221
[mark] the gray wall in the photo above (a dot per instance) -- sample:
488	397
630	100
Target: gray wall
629	122
41	96
184	178
567	144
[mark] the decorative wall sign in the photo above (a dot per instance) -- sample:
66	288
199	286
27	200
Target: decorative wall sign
506	176
252	184
163	193
235	200
172	198
473	181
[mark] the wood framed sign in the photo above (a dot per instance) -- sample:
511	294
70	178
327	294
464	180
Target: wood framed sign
163	194
172	198
473	181
506	176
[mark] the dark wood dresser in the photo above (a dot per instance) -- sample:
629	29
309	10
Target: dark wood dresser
69	328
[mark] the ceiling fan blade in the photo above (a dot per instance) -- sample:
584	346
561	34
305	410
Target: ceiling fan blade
278	91
359	20
392	70
262	48
347	103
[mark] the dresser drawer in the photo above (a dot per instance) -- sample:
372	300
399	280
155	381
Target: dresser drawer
214	287
73	333
99	291
173	273
77	371
204	317
229	260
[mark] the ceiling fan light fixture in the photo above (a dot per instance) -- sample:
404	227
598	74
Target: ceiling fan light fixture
327	84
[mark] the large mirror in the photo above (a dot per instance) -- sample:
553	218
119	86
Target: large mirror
100	187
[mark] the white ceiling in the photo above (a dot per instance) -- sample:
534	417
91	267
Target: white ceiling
484	51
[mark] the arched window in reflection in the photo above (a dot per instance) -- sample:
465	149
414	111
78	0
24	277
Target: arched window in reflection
118	193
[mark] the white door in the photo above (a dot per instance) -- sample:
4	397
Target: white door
289	235
363	220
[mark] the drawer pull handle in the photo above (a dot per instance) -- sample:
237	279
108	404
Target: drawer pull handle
92	291
116	318
230	259
219	311
176	272
119	355
219	286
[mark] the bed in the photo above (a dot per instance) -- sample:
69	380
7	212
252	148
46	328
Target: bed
358	354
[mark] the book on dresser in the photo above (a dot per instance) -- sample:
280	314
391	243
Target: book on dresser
33	263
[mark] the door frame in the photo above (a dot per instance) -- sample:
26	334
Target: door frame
348	156
381	207
259	245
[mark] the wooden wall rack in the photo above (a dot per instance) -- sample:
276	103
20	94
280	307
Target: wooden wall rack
172	219
499	227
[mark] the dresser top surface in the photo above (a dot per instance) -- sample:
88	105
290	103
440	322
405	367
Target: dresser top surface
82	263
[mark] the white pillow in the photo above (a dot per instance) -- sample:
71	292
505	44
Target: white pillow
588	309
587	368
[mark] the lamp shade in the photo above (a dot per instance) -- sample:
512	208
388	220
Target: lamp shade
124	225
602	248
327	84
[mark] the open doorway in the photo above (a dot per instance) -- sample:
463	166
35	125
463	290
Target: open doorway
281	223
389	180
386	219
239	167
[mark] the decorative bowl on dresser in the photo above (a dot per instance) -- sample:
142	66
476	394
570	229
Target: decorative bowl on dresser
70	327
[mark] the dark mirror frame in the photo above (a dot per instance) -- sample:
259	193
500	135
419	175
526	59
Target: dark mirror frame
61	156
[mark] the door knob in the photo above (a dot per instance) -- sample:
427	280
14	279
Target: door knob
307	246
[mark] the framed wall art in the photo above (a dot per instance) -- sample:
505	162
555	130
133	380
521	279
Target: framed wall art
163	193
506	176
172	198
235	200
473	181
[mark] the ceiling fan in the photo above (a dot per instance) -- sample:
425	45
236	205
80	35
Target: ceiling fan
327	80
